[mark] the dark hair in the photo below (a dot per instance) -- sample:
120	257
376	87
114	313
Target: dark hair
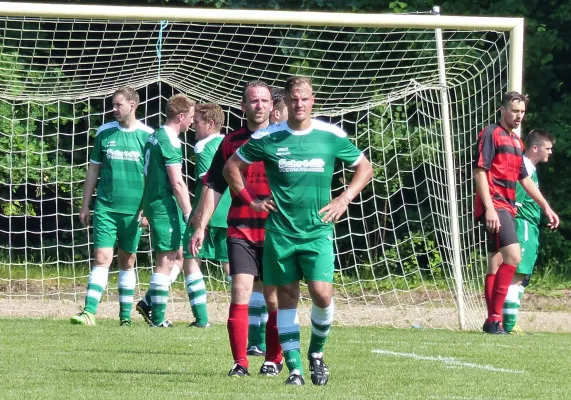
278	97
510	97
256	83
536	138
294	81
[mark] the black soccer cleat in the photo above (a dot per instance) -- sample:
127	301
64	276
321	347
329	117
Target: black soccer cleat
195	324
270	368
238	371
256	351
494	328
319	370
295	379
144	309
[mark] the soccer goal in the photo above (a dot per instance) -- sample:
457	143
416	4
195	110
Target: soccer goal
412	91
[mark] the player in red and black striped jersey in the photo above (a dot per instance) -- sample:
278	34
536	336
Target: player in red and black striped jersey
245	233
498	167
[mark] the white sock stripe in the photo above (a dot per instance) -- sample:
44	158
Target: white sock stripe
160	279
510	311
294	345
513	293
253	320
160	299
287	321
174	273
193	277
94	294
323	316
196	287
319	333
126	299
99	276
198	300
264	318
127	279
257	300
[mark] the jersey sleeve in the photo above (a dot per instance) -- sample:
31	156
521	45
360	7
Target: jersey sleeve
348	152
214	178
96	154
485	149
522	171
252	151
172	155
203	160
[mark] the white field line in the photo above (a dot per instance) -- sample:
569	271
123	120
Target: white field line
448	361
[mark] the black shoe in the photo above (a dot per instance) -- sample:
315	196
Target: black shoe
144	309
256	351
165	324
494	327
197	325
295	379
270	368
125	322
319	370
238	371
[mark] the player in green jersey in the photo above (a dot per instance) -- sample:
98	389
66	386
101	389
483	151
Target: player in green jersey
165	197
117	162
539	146
299	157
208	122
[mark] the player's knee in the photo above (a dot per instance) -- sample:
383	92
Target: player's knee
103	257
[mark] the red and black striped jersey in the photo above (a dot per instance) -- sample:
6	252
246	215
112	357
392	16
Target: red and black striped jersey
500	153
243	222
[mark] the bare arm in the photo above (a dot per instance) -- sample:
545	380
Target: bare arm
533	192
232	172
93	171
483	189
209	199
338	206
180	190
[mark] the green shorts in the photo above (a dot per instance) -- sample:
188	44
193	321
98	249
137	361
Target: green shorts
110	228
528	235
166	233
213	248
288	259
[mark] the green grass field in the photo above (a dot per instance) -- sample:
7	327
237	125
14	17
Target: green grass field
51	359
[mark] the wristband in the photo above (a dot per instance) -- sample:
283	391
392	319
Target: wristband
246	196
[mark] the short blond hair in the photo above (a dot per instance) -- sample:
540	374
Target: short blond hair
178	104
295	81
211	112
128	93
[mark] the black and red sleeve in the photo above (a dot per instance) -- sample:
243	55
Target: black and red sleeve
486	148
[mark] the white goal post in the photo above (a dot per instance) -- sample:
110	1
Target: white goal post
412	91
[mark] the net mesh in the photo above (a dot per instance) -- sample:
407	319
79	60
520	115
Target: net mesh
394	246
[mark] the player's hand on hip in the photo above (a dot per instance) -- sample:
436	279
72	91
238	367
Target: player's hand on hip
196	242
84	216
335	209
266	205
552	217
492	220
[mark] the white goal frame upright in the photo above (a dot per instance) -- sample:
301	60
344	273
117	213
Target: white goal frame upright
515	27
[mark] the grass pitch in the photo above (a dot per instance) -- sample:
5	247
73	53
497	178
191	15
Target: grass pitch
51	359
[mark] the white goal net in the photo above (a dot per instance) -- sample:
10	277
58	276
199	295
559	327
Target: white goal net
408	251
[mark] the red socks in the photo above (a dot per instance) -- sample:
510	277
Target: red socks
489	290
502	283
238	332
273	347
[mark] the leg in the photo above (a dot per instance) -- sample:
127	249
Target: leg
127	283
495	259
512	302
273	347
257	319
196	290
159	287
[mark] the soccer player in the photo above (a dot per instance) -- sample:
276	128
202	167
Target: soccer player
245	234
299	157
208	121
498	167
165	197
117	161
257	310
539	144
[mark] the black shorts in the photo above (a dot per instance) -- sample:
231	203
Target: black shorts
245	257
507	234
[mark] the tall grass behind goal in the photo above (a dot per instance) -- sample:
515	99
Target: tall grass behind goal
411	91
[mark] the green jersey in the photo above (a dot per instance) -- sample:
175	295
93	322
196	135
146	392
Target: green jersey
299	166
527	208
163	149
205	150
119	151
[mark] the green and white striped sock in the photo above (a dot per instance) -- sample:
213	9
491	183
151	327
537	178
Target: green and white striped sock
159	291
95	288
288	331
196	290
127	282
